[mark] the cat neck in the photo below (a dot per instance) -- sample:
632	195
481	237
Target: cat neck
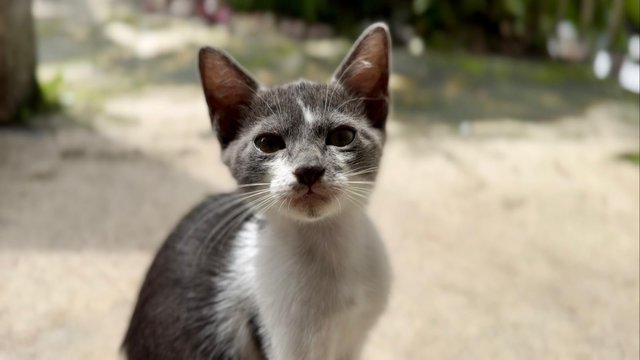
335	237
337	224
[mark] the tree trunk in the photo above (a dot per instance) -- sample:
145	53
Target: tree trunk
18	86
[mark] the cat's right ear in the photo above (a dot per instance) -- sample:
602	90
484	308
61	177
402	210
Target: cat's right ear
365	72
228	88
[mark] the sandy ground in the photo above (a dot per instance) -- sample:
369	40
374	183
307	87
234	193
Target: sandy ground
503	247
518	240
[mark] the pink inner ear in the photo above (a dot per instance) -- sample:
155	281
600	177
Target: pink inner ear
367	71
225	85
362	77
227	88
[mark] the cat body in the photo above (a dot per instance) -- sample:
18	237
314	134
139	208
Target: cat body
289	266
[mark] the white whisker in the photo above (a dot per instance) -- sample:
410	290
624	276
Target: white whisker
254	184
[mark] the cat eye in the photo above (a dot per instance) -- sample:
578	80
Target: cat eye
341	136
269	143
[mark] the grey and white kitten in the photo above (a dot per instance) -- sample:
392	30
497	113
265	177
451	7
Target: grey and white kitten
288	267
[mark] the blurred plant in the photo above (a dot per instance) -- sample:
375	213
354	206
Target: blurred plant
632	10
51	93
518	26
633	157
345	16
503	26
48	99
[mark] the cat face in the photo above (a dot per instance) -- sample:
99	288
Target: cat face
303	150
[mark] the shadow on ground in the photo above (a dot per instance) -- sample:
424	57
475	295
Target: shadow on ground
69	188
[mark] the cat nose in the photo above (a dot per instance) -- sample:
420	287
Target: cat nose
308	175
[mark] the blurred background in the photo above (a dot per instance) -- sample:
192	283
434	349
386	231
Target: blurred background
508	196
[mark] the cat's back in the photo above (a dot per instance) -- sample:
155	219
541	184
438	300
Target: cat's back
173	318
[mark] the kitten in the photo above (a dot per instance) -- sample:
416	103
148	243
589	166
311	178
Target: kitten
289	267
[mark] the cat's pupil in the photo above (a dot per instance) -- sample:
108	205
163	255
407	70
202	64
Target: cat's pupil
341	136
269	143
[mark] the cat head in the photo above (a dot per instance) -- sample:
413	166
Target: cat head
303	150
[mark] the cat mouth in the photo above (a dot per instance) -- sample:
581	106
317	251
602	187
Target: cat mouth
311	197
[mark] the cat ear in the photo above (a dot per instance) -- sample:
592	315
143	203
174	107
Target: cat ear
365	72
228	88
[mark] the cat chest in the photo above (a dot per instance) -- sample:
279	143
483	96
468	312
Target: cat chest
337	291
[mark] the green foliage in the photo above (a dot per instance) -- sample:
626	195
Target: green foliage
511	26
420	6
632	11
503	26
633	157
45	98
51	93
342	15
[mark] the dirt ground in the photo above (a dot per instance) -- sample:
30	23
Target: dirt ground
509	238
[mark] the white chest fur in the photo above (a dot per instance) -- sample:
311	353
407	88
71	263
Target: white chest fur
319	287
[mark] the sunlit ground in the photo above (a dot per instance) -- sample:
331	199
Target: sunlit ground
508	196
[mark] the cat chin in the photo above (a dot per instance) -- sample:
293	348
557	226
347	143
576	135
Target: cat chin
309	208
311	211
309	217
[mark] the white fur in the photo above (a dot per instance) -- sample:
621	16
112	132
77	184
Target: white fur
319	286
238	289
281	175
309	117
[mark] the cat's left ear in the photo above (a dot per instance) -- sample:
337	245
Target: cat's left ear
365	72
228	89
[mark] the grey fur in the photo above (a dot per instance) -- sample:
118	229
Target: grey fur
332	105
214	289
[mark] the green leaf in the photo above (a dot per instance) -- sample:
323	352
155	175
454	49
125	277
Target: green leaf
421	6
515	7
